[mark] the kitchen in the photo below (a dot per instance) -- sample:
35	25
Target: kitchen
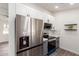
50	29
40	30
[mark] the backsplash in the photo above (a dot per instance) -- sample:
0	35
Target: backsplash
52	32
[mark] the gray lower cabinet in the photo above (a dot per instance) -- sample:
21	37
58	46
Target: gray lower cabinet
57	42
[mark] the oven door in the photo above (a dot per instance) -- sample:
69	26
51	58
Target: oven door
51	46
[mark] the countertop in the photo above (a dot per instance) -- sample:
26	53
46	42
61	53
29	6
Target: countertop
50	38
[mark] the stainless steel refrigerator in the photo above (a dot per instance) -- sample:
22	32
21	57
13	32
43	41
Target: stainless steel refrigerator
29	36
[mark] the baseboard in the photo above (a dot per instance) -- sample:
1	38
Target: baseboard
70	50
4	42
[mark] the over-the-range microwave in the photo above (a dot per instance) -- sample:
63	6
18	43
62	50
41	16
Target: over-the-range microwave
47	25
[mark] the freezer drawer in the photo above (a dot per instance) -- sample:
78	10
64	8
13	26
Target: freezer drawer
38	51
25	53
32	51
22	53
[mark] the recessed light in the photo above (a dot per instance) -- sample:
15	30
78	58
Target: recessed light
56	6
71	3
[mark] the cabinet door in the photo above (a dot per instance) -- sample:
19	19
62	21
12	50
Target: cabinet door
57	42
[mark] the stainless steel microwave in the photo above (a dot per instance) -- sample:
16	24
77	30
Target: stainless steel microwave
47	26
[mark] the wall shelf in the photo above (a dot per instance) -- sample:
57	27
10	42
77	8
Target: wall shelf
70	24
70	27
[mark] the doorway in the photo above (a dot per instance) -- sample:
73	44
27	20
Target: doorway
4	38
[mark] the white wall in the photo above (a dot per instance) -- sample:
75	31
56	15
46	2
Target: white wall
69	40
12	14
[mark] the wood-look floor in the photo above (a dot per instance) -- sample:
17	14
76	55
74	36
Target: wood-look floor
62	52
59	52
4	49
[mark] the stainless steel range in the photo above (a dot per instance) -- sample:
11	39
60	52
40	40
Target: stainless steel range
29	36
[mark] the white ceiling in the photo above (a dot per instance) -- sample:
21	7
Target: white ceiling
62	6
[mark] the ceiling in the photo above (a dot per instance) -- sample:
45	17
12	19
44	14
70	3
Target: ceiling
62	6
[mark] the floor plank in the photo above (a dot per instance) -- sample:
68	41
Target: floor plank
62	52
4	49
